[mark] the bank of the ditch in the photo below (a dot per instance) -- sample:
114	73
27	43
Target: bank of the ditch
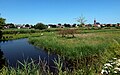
86	52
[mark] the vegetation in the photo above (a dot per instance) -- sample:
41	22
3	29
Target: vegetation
1	34
81	20
2	22
32	68
87	52
20	31
67	32
40	26
87	44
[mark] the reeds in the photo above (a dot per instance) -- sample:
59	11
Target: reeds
88	50
74	48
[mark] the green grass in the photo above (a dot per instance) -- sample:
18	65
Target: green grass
81	46
88	51
31	68
19	36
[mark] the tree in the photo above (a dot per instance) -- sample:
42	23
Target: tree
40	26
67	25
81	20
2	22
11	25
27	25
0	34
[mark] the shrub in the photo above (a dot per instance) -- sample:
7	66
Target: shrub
67	32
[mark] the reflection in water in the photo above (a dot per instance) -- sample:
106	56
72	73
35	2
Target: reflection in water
20	50
2	60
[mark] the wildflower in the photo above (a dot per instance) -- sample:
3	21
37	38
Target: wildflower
114	58
41	33
116	68
110	61
113	63
115	71
105	67
118	64
108	64
118	61
104	72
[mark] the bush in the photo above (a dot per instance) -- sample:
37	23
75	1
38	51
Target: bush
40	26
67	32
118	27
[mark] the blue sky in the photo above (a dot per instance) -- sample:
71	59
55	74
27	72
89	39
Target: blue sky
59	11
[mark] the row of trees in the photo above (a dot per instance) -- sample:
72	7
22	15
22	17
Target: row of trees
41	26
0	34
2	22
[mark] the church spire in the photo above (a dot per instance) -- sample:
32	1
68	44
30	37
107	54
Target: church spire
94	21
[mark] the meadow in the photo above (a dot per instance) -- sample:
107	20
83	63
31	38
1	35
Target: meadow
86	52
85	43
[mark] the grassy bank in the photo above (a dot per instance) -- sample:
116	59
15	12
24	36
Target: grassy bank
11	34
19	36
82	45
32	68
88	50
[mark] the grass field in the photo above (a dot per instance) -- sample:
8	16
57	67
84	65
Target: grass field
87	51
89	47
85	43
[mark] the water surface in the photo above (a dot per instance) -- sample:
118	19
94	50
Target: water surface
20	49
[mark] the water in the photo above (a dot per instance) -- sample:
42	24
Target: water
12	51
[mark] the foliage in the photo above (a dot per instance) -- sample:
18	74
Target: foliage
2	22
1	34
11	25
40	26
87	43
19	36
67	25
20	31
67	32
33	68
87	52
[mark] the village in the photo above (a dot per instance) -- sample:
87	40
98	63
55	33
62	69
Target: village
59	25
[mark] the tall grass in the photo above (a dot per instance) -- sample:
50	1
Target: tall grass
74	48
32	68
21	31
87	51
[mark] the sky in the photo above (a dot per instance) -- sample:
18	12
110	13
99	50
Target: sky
59	11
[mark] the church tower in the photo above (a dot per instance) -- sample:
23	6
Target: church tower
94	22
